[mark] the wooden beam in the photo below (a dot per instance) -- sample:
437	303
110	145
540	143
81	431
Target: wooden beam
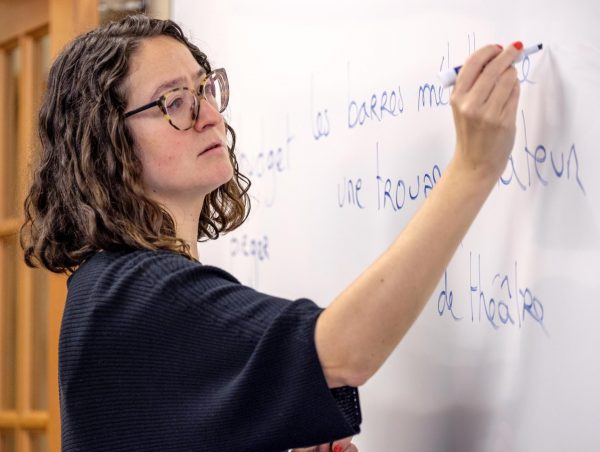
57	289
28	421
4	126
24	274
9	227
68	18
20	17
27	113
3	320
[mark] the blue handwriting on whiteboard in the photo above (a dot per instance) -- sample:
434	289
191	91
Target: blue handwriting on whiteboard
250	249
435	91
320	122
379	106
525	66
394	191
546	165
436	96
504	304
446	300
265	167
246	247
348	193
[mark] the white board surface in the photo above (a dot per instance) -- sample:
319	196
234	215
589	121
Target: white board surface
343	128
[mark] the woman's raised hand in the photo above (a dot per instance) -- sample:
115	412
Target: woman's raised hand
484	104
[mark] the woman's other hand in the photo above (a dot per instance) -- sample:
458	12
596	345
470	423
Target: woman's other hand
341	445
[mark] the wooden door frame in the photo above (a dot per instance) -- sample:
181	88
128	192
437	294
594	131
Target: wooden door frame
68	18
21	23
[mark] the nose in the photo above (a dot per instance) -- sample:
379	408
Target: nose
207	116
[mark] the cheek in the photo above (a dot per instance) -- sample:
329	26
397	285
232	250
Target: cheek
157	150
158	160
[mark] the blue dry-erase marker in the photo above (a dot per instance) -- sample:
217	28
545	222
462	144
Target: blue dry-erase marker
449	77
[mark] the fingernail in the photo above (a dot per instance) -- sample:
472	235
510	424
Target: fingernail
499	46
517	45
337	448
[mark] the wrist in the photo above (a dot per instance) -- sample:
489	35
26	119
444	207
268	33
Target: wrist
468	185
476	175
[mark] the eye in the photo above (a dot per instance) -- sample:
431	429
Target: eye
175	102
209	89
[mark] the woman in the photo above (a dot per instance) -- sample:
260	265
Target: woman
160	352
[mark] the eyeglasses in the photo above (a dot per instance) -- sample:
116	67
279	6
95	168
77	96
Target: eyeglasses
181	106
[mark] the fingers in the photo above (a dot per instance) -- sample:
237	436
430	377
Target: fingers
343	445
473	68
340	445
484	106
509	111
491	74
502	89
492	89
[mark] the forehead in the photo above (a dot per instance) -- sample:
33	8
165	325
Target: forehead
156	61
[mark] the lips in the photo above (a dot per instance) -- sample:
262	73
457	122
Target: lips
211	146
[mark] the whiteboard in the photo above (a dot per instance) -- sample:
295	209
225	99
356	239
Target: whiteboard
343	128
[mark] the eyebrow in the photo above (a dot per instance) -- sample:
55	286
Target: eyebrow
175	83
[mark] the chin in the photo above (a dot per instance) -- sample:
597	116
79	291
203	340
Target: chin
222	177
227	172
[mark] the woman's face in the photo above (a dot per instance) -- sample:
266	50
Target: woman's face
178	167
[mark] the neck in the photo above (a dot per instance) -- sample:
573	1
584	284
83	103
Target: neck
187	229
186	217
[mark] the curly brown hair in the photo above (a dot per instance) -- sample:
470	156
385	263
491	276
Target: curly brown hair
87	193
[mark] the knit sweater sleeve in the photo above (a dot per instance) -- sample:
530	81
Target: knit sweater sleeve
160	351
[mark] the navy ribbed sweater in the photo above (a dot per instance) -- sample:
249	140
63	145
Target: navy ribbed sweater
160	353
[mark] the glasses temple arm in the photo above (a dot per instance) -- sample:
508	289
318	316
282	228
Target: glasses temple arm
154	103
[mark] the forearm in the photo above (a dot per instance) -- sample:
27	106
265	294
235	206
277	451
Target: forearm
364	324
360	329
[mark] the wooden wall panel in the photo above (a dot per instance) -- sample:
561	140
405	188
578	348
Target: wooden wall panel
21	16
68	18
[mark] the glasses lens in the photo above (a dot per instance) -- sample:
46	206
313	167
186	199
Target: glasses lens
181	106
216	90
